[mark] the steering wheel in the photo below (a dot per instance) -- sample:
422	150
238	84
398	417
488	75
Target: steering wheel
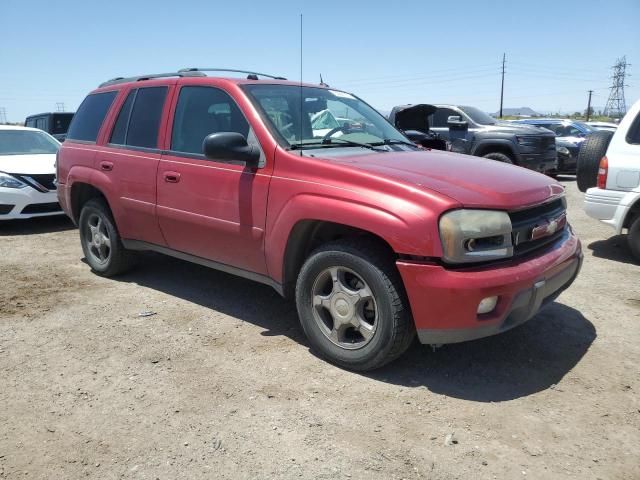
333	131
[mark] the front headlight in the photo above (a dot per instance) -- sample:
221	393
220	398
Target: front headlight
475	235
562	150
8	181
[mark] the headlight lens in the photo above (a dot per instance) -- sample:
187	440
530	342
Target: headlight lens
563	150
8	181
475	235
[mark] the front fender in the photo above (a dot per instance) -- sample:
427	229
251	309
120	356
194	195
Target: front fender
398	230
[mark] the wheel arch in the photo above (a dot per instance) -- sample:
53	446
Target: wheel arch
505	147
307	235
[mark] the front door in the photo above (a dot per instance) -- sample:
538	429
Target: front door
211	209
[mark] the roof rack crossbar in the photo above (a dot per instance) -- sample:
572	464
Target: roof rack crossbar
138	78
196	69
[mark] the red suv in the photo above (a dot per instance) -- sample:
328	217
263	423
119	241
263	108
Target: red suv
310	190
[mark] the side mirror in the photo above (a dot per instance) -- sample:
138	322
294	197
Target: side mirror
229	147
455	122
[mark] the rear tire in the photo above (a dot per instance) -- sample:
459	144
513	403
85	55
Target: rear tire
100	240
500	157
633	237
352	304
591	152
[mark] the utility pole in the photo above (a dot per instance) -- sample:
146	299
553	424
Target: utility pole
3	115
60	106
616	105
589	105
502	86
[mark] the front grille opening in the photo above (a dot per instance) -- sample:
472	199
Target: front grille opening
5	208
524	221
41	208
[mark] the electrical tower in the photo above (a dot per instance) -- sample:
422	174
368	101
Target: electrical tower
616	106
60	106
3	115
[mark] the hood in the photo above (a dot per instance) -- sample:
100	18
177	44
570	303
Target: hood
412	117
472	181
33	164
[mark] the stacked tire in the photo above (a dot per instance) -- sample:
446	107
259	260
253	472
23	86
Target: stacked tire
591	152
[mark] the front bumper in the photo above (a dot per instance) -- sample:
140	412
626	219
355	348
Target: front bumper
609	206
444	302
540	162
16	203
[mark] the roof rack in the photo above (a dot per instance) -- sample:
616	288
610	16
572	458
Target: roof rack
250	75
138	78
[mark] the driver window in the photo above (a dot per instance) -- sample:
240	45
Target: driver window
202	111
440	117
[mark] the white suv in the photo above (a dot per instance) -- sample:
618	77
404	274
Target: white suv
616	199
27	173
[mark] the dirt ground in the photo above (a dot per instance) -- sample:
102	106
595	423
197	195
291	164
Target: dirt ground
220	382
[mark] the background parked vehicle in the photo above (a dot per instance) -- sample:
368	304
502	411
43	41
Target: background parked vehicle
567	156
27	173
473	132
365	230
616	198
54	123
609	126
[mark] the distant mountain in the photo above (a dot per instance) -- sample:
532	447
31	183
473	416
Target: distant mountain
522	111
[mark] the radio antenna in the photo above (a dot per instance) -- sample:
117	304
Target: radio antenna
301	109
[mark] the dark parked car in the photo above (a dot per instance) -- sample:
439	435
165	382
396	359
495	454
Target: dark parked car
567	155
54	123
473	132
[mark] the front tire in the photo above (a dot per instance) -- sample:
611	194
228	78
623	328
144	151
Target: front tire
352	305
100	240
500	157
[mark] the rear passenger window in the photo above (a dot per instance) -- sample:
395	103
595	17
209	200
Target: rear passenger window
145	117
88	119
138	122
202	111
119	133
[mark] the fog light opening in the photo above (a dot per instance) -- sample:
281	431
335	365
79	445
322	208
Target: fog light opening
487	305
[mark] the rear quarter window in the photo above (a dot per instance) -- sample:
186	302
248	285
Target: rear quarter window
633	135
88	119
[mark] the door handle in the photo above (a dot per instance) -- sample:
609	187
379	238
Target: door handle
106	166
171	177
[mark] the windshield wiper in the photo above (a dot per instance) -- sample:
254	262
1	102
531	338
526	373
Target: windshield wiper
389	141
330	143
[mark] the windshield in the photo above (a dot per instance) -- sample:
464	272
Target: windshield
478	116
26	142
328	117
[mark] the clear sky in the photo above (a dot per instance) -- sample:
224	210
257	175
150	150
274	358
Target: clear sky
387	52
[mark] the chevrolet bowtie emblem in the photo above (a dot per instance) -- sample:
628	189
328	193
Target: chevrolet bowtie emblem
549	227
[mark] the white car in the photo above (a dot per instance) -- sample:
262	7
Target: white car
616	199
611	127
27	173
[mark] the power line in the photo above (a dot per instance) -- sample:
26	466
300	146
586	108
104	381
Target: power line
616	106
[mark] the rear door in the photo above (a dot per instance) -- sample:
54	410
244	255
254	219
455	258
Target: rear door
211	209
130	161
